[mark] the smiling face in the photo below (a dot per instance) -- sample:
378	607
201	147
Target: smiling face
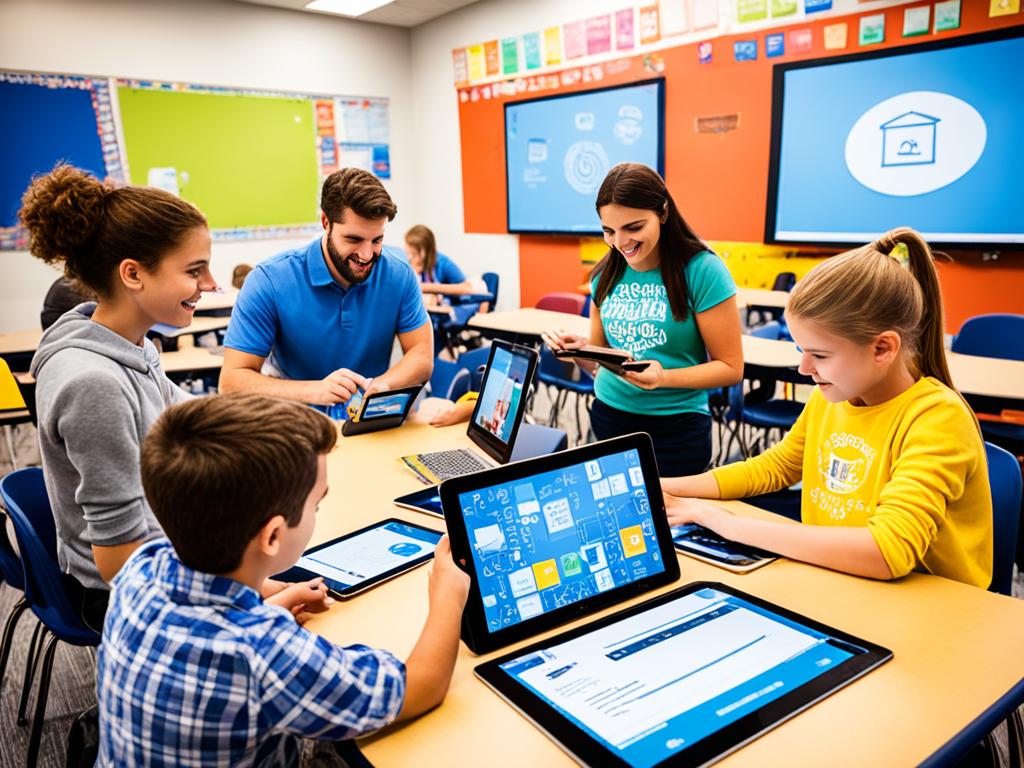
170	291
353	245
633	232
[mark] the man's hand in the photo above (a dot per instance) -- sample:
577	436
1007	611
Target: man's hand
337	387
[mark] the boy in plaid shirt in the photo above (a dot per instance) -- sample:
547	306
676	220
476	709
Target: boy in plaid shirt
194	667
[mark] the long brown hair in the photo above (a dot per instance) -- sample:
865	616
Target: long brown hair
889	285
422	239
633	185
90	227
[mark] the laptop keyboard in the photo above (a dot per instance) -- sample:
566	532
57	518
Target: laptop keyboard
447	464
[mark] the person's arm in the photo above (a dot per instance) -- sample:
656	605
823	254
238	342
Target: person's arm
720	328
559	339
241	373
110	560
464	288
416	363
430	665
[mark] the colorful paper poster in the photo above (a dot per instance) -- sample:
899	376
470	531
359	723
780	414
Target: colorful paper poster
947	15
704	52
460	65
574	38
477	65
625	33
531	50
915	20
774	45
835	37
800	40
599	34
705	13
783	8
509	55
816	6
492	56
672	17
1003	7
872	29
552	46
745	50
650	28
751	10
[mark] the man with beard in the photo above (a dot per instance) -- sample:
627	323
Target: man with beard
326	314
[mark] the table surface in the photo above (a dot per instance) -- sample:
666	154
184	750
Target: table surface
212	301
22	342
956	648
761	297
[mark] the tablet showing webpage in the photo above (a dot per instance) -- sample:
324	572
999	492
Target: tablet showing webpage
682	679
553	538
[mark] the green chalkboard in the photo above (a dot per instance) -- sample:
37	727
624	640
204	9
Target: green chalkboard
244	160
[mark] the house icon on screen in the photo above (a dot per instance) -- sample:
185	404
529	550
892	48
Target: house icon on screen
909	139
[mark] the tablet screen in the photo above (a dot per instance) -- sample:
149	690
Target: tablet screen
702	541
370	553
663	679
503	392
559	537
428	500
385	405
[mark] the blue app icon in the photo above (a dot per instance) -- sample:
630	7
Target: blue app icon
404	549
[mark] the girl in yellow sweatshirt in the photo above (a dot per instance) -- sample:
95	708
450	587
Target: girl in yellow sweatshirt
891	457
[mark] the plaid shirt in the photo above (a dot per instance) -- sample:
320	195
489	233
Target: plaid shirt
195	670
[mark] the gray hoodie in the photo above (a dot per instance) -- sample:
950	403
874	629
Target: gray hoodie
97	394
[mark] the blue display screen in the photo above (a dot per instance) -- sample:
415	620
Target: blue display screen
558	151
386	405
551	540
927	139
502	395
655	683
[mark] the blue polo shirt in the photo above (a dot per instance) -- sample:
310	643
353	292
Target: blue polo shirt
445	271
291	310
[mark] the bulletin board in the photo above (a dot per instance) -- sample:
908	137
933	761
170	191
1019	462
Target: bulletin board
252	161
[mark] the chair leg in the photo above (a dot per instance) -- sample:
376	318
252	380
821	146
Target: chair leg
9	626
40	715
9	434
30	670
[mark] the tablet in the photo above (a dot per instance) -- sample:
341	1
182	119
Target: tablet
615	360
679	680
353	563
428	500
381	410
551	539
703	544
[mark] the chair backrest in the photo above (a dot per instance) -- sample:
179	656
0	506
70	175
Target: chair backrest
472	362
997	335
28	506
784	281
491	281
562	301
586	306
1004	478
10	563
770	330
449	380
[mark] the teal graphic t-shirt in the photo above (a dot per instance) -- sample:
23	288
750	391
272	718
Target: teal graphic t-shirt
636	317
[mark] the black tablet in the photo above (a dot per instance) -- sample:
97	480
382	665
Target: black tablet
681	680
615	360
703	544
353	563
554	538
428	500
381	410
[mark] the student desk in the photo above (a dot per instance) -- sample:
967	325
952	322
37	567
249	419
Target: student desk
761	297
191	360
956	648
217	304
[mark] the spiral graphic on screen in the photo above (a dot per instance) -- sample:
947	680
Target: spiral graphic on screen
586	164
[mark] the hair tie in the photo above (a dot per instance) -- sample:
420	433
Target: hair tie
901	254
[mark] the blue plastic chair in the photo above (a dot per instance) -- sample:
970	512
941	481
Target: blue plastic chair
784	281
11	572
24	495
1004	478
997	335
449	380
474	361
566	379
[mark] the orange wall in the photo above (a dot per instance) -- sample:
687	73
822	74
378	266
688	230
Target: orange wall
718	180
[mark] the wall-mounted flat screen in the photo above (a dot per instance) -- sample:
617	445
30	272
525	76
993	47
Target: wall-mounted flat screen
926	136
558	150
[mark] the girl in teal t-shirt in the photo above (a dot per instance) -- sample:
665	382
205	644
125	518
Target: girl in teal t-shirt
661	295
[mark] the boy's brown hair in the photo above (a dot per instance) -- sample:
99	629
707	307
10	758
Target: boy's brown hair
358	190
216	469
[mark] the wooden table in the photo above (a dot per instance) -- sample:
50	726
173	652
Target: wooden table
191	360
217	303
957	648
760	297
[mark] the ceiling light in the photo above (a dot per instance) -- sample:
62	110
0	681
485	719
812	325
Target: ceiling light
346	7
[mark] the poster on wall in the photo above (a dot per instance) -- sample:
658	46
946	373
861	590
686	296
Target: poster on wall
599	35
624	30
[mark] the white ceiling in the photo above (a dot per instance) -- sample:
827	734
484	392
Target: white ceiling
399	13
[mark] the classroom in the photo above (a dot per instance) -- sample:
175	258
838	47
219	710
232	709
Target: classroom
502	382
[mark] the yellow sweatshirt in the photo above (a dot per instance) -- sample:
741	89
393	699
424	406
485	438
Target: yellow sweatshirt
912	470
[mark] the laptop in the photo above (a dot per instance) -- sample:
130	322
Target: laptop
495	421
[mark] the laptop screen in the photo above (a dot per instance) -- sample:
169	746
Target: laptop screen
502	400
560	537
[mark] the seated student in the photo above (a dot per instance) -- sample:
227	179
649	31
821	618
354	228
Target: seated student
891	457
238	275
439	276
194	668
64	295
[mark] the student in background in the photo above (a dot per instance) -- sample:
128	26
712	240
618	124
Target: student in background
64	295
238	275
891	457
439	276
661	295
145	254
235	480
